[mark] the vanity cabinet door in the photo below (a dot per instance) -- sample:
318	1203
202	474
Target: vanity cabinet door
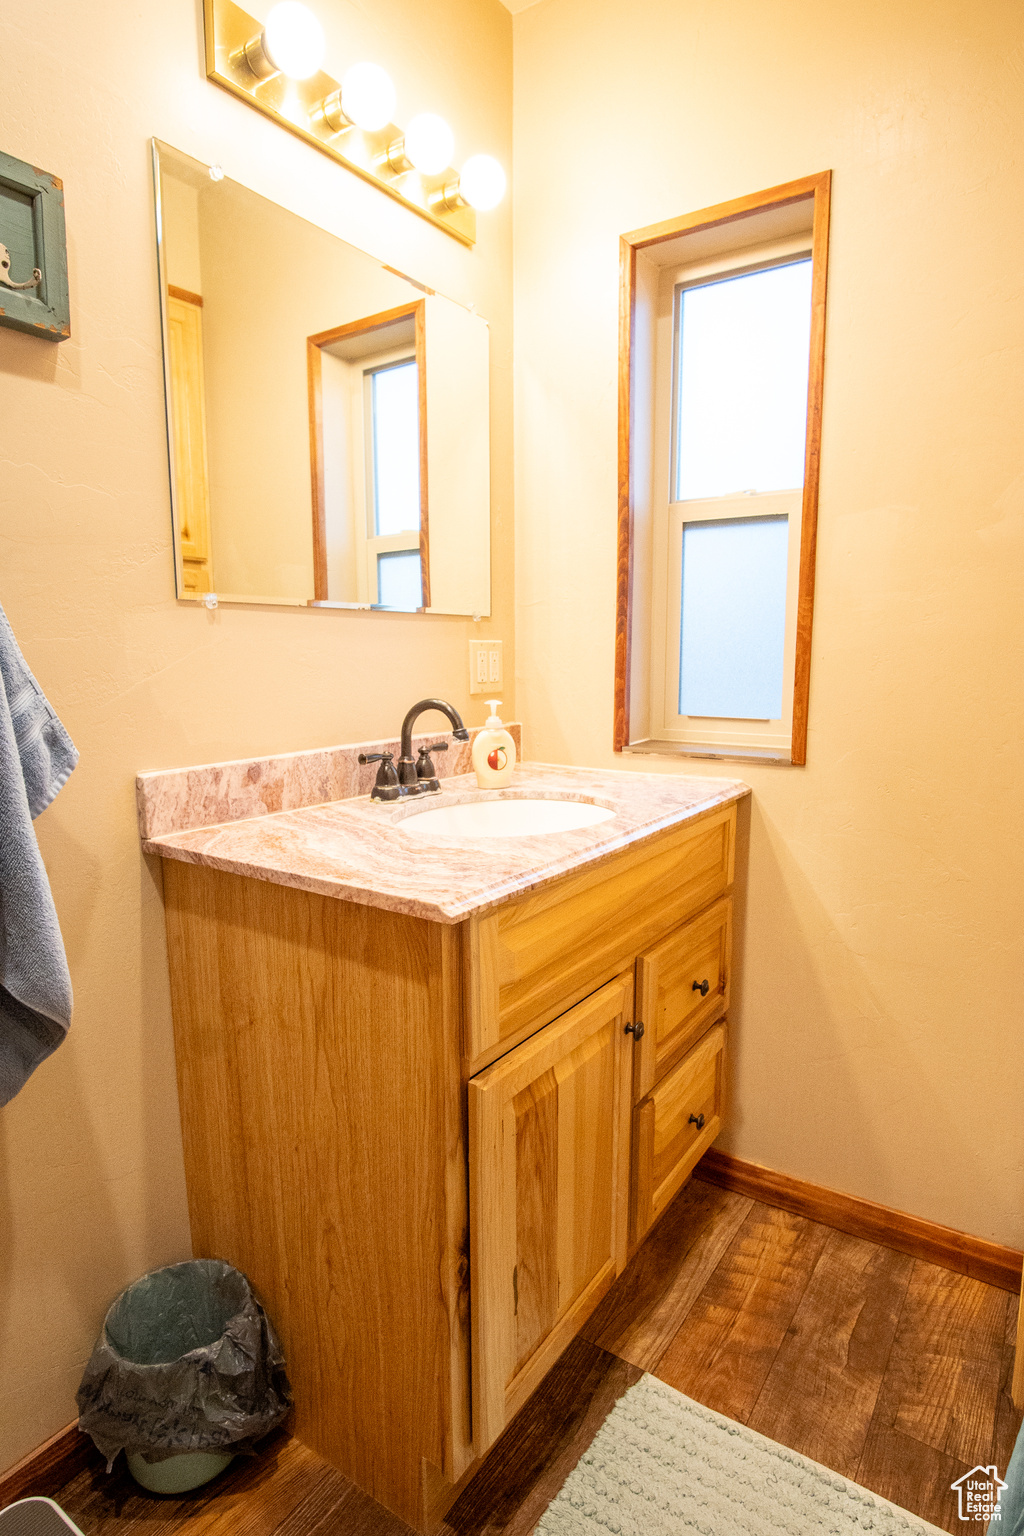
673	1128
549	1194
682	985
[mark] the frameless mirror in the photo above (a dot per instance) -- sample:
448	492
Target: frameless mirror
327	418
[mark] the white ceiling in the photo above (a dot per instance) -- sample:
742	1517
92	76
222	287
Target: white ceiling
517	5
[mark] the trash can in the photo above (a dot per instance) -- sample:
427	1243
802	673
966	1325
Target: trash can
186	1373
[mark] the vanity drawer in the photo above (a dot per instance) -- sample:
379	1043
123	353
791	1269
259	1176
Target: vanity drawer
673	1128
532	959
682	985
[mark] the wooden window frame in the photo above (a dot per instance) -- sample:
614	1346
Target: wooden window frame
817	187
415	311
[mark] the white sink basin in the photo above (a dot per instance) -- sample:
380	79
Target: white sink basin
505	818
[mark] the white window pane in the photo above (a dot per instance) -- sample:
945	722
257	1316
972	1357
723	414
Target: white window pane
734	618
400	580
743	349
396	449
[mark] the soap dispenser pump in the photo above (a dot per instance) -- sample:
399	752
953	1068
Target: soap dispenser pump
494	752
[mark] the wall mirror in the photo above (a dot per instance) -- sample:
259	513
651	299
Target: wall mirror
328	420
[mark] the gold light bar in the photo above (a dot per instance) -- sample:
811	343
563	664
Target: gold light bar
311	110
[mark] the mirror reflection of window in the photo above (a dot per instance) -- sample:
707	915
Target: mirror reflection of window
369	447
395	462
391	401
400	581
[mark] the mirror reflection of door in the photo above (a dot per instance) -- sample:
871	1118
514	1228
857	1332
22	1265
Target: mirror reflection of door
185	345
368	443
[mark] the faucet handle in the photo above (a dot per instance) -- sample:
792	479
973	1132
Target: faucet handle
386	785
426	773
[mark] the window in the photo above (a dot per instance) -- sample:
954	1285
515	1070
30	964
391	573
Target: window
722	341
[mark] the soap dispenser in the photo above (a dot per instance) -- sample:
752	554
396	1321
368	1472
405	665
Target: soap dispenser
494	752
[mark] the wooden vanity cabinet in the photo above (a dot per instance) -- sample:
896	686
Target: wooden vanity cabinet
432	1146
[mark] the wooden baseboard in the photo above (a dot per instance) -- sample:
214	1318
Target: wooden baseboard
974	1256
52	1464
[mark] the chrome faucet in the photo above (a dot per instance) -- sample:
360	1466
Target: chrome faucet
419	777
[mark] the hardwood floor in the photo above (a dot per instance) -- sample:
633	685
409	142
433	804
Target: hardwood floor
889	1369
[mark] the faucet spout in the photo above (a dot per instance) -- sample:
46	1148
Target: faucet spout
406	766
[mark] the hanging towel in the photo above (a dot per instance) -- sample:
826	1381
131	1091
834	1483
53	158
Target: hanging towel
36	757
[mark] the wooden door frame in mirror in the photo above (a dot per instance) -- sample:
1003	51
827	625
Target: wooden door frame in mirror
819	187
415	311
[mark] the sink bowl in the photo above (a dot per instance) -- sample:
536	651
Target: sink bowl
505	818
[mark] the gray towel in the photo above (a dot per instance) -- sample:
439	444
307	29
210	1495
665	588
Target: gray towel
36	757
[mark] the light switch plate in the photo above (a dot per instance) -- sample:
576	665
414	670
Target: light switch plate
486	670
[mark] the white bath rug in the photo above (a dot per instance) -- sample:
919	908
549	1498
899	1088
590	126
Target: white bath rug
661	1465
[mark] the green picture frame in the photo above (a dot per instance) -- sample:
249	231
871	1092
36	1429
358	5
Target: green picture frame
33	251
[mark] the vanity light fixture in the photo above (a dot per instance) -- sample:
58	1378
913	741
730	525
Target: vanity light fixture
426	145
292	43
365	99
368	96
276	69
329	116
480	184
429	143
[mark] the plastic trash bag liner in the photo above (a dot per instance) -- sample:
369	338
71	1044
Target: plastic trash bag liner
187	1361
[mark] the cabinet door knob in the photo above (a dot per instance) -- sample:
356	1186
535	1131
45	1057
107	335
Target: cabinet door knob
636	1030
697	1120
703	987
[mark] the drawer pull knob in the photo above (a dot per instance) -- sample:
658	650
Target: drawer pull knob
636	1030
697	1120
703	987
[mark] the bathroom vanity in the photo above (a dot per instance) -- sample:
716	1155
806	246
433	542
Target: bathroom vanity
434	1092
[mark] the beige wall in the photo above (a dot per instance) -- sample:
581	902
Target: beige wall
91	1190
878	1037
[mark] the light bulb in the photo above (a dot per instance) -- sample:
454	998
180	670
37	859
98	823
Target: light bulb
293	40
368	97
482	182
429	143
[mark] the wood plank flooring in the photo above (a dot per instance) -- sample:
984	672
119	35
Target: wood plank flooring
891	1370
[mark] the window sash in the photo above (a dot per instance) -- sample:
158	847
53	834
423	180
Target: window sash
370	376
781	254
719	730
378	543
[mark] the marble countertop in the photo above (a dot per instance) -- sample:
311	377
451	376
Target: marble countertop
355	849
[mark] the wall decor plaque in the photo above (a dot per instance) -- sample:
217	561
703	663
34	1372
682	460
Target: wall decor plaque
33	251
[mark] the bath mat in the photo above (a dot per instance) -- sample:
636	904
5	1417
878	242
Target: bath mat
661	1465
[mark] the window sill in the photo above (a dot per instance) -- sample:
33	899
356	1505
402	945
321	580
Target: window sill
654	748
